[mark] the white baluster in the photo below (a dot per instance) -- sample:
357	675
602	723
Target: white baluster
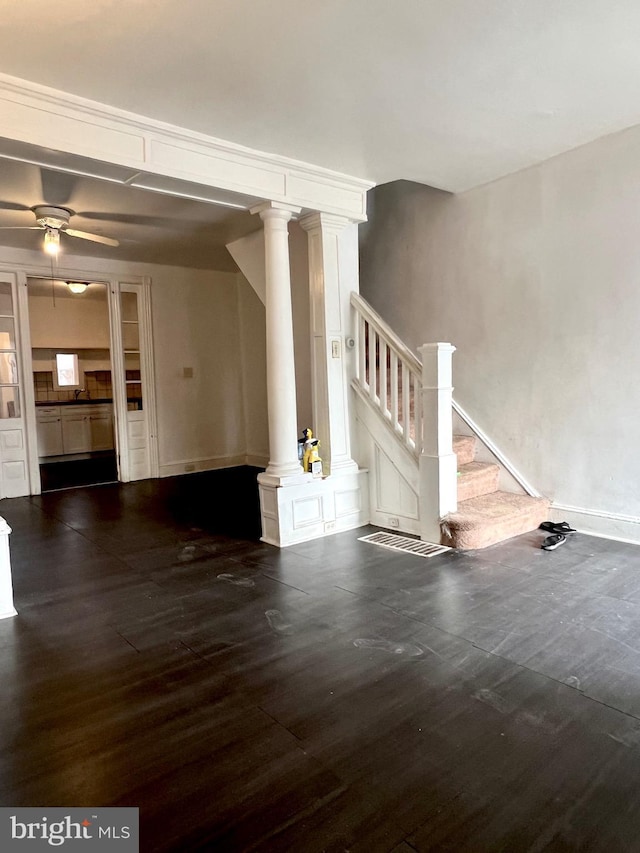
383	376
362	353
373	337
406	402
394	390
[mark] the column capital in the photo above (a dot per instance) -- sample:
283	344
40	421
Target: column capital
275	210
323	221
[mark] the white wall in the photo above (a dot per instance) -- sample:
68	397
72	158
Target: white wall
75	322
249	254
254	372
536	280
195	324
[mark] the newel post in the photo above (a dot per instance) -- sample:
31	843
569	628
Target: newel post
438	462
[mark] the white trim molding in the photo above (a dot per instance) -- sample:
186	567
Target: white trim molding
595	522
146	148
204	463
256	460
211	463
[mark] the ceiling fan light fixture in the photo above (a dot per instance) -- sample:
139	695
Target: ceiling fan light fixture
77	287
51	241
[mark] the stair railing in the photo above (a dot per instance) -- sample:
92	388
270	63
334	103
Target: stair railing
389	374
415	398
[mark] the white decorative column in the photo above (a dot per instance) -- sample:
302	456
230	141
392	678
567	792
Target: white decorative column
438	463
281	378
333	275
295	506
6	586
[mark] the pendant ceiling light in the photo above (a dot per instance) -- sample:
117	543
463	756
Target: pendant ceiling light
77	287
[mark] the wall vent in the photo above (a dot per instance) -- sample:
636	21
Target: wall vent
394	542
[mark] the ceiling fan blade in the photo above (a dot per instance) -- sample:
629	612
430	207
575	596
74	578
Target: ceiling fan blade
57	187
13	205
20	228
141	219
95	238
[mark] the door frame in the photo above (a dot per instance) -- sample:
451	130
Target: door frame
141	285
112	283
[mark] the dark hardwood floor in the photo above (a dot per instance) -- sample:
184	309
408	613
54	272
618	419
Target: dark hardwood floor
327	697
62	473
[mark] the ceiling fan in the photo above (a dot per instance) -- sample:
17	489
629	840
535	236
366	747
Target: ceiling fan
55	221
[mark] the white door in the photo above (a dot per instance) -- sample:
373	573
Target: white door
134	392
14	479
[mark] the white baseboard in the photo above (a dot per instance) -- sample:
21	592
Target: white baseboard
212	463
607	525
191	466
256	460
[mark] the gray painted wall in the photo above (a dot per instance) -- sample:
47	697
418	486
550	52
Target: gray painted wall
536	280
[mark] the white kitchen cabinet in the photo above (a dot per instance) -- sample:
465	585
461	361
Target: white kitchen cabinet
101	428
76	433
49	429
74	429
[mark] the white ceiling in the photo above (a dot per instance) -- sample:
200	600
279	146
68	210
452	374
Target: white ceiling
450	93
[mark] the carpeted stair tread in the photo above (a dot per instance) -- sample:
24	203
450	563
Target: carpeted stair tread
477	478
464	446
487	519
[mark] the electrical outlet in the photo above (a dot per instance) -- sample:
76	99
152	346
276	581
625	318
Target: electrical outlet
329	525
335	349
394	521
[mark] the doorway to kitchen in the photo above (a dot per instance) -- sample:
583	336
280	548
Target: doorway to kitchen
72	382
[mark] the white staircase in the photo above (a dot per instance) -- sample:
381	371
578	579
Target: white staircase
422	479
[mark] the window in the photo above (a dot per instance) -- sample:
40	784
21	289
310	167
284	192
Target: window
67	375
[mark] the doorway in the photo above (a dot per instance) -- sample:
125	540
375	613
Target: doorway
72	382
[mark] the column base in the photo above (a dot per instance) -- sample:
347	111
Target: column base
299	512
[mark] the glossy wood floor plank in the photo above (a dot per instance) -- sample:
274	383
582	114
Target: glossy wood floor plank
331	696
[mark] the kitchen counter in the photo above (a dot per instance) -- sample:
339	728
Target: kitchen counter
81	402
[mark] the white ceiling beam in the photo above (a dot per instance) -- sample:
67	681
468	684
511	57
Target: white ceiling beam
38	115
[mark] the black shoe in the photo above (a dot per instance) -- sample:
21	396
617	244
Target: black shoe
552	542
557	527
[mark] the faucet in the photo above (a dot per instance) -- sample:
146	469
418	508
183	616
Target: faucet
79	391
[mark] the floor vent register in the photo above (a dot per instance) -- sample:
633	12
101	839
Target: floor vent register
394	542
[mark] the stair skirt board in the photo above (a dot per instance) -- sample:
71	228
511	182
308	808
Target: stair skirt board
403	543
